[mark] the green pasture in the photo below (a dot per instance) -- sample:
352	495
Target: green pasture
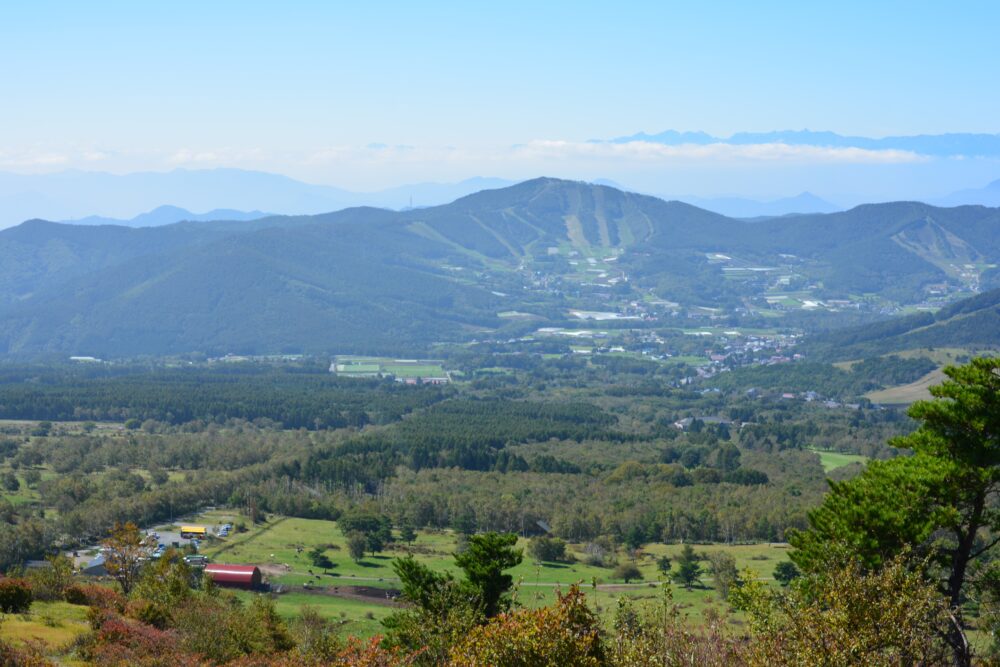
354	617
406	369
833	460
281	548
415	370
54	624
348	369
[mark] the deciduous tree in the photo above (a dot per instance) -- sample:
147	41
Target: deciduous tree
123	554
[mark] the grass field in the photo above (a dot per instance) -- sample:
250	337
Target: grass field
280	547
833	460
414	370
404	368
54	624
919	390
908	393
358	368
939	355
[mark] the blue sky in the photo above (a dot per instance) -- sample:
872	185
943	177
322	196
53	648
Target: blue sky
456	89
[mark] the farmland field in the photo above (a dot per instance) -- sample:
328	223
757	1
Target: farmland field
414	370
280	547
402	368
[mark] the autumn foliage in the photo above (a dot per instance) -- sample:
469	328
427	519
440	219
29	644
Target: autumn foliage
93	595
567	633
15	596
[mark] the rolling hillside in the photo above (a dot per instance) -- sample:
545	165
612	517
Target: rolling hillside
973	322
373	280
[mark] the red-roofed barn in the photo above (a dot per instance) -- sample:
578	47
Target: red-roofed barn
238	576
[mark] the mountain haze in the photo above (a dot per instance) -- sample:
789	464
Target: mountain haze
741	207
167	215
988	195
70	195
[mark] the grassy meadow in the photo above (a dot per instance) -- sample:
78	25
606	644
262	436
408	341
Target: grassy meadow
281	548
833	460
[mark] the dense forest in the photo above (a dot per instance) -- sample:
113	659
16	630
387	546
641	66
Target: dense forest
306	397
610	447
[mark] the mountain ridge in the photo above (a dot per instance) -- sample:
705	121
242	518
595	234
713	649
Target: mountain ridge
970	322
167	214
366	279
74	194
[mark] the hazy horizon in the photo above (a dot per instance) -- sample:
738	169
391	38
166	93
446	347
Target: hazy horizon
369	98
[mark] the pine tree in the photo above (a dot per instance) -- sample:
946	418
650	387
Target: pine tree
688	568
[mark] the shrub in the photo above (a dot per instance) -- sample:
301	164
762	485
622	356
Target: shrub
50	582
30	655
149	612
848	615
220	629
547	549
600	552
568	633
120	641
15	596
357	653
93	595
627	571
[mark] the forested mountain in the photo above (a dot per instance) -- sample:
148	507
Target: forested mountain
972	322
373	280
273	290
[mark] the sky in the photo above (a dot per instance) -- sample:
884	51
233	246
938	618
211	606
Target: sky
375	94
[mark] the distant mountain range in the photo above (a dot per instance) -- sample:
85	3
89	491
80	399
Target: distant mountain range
739	207
367	280
71	195
734	207
167	215
936	145
987	196
155	198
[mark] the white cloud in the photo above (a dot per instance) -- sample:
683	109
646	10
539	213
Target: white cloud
30	159
646	151
225	156
95	156
187	156
378	165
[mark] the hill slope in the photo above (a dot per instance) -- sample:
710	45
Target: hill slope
971	322
280	289
365	279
